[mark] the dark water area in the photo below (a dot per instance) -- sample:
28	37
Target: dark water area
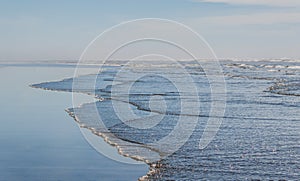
258	139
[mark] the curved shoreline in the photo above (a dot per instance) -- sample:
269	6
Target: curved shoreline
104	136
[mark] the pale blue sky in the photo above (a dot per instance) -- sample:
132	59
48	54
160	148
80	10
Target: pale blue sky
60	30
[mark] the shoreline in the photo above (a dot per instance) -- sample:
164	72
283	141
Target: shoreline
100	134
27	75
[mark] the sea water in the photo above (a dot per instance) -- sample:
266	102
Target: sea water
39	141
258	139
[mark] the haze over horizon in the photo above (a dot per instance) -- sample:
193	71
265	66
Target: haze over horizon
60	30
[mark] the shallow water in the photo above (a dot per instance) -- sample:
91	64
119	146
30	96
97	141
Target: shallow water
39	141
258	139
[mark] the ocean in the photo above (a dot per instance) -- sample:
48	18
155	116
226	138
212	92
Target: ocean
159	114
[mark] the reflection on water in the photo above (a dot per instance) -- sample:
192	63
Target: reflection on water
39	141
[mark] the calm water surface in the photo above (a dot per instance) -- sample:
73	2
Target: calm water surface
39	140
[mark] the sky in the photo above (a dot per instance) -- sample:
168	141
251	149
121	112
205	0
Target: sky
61	29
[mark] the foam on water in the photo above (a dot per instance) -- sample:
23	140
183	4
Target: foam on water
259	137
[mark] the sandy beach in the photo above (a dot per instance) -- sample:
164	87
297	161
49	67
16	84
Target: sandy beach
40	141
